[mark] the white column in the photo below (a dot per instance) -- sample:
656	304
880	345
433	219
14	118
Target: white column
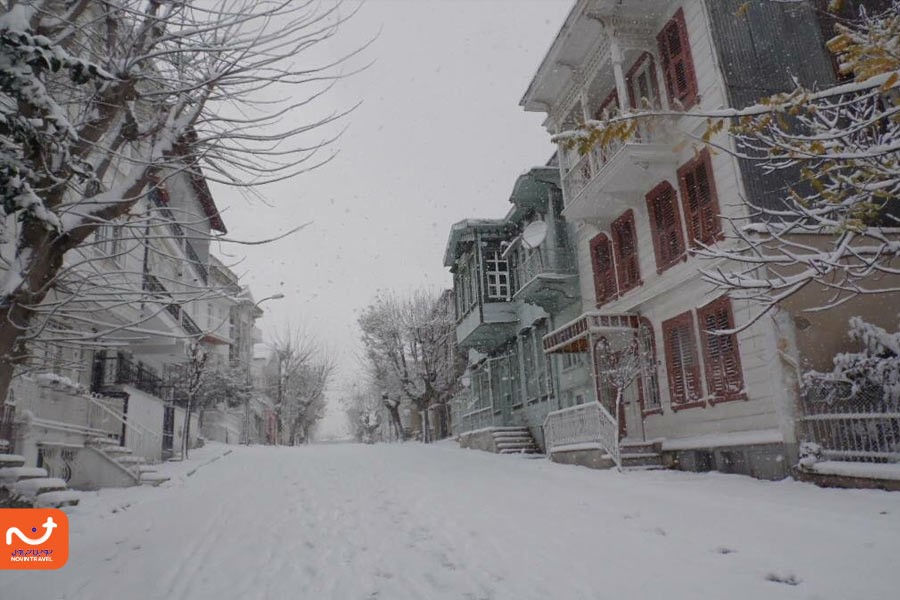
615	53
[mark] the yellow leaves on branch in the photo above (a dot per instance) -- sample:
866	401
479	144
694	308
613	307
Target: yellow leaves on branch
871	50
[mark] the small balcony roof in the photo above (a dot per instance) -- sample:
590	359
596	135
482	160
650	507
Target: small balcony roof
466	230
581	33
531	191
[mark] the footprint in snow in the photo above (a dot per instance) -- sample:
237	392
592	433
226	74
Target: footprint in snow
786	579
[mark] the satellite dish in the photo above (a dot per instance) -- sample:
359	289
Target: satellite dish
534	235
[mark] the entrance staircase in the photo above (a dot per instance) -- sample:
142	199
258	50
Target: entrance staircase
640	456
22	486
144	473
514	440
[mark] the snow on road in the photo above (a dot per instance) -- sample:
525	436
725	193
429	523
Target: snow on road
398	522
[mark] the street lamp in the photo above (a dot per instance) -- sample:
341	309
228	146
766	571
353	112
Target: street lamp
245	433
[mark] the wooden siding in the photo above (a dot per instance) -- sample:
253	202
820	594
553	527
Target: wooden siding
758	52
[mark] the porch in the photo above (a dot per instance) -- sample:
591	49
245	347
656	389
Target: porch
610	425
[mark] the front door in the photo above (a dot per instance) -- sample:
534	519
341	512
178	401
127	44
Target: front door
604	378
168	429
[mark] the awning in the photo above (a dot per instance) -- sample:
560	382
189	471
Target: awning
575	336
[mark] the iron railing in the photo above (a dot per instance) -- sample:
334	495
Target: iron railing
113	368
7	428
587	423
194	259
155	286
850	424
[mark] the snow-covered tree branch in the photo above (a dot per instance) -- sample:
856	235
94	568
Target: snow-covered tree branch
106	104
405	340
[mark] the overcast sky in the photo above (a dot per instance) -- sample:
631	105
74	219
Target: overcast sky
439	137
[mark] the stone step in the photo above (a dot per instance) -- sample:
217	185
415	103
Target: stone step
10	475
11	460
30	488
639	447
641	459
511	432
152	478
130	460
57	499
115	451
514	440
532	450
528	444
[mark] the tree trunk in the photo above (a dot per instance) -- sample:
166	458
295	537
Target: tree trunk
185	442
398	425
426	430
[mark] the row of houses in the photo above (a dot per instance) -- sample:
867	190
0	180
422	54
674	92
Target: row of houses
582	311
101	413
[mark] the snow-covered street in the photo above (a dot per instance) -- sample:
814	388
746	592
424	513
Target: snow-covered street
413	521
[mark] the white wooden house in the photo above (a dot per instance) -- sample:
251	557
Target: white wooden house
702	400
94	415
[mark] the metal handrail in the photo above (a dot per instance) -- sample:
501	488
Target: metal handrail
585	423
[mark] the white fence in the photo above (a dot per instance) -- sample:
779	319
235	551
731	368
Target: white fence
587	423
859	426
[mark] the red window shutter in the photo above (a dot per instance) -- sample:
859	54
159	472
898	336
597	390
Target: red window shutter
604	270
625	245
724	378
682	364
701	204
665	225
677	63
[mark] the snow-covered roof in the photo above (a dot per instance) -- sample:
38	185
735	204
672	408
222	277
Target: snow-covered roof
465	230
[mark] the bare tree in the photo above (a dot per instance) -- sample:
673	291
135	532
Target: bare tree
833	227
299	375
364	410
405	342
103	102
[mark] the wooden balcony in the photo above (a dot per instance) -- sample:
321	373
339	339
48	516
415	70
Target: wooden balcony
487	325
606	182
547	277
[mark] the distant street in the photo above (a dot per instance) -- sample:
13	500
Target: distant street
396	522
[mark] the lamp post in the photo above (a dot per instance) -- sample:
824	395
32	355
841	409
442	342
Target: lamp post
245	430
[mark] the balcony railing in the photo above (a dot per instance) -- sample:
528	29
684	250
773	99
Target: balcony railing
580	175
194	259
163	208
119	368
545	261
153	285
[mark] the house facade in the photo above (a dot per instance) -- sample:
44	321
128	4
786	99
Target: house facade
632	367
515	279
704	400
98	414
